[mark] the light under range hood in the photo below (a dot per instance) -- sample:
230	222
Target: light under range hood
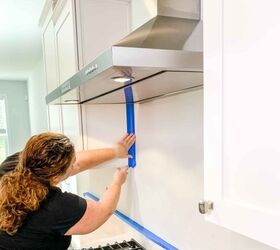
154	58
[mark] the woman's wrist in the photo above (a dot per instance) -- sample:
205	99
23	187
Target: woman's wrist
115	152
116	183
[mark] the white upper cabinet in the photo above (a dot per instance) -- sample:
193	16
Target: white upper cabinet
241	116
49	57
100	24
48	45
66	46
65	39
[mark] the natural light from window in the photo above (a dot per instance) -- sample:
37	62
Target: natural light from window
3	130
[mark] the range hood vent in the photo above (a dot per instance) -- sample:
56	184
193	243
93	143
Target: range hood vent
153	59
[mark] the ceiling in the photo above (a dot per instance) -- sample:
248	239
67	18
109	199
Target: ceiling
20	44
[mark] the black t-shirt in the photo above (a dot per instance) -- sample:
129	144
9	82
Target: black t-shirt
45	228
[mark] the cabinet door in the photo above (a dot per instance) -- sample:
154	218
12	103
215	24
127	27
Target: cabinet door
241	115
54	115
49	56
48	44
71	116
66	47
65	42
72	128
66	51
100	24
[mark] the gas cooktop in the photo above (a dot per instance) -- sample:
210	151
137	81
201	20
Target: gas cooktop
125	245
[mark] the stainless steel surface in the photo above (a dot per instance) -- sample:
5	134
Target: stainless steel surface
179	92
132	62
155	47
160	85
169	29
161	33
205	206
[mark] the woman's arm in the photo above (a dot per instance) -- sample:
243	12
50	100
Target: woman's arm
92	158
99	212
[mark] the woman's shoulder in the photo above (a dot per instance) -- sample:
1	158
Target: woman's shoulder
57	197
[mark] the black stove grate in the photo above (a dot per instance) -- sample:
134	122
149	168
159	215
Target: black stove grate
125	245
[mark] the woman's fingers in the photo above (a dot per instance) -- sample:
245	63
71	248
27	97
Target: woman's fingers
130	139
121	175
123	138
125	169
124	145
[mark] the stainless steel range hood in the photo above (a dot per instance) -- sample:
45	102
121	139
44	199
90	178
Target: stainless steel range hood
154	58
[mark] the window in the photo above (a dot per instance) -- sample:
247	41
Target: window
3	129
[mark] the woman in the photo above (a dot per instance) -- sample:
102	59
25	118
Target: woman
34	213
9	164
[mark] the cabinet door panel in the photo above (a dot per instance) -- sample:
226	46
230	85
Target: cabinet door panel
55	118
65	34
72	128
71	116
101	24
65	42
48	44
66	49
242	153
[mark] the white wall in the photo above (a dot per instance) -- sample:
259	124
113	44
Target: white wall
163	192
17	113
142	11
37	103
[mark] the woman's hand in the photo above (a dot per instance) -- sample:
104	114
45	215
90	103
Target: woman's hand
120	176
123	145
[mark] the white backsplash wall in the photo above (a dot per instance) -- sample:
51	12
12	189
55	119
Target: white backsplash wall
163	191
103	126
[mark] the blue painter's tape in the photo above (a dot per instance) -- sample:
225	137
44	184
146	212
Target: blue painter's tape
148	234
130	124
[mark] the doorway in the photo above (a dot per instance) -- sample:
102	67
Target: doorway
14	117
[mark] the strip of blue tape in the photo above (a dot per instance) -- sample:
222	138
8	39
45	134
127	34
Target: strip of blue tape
130	124
148	234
